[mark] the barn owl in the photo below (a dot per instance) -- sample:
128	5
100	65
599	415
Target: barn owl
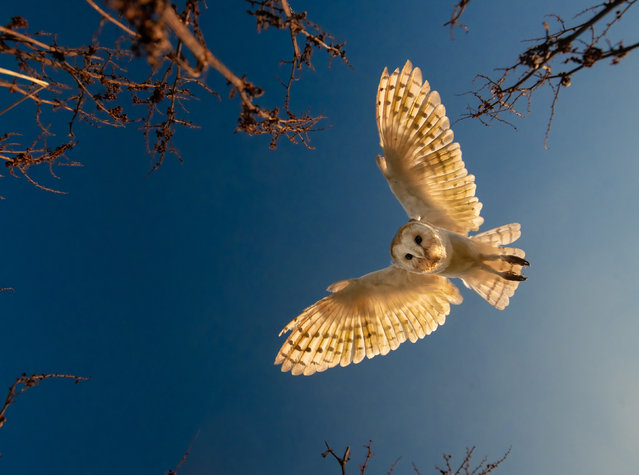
373	314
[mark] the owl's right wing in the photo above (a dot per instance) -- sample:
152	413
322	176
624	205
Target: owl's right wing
367	316
421	163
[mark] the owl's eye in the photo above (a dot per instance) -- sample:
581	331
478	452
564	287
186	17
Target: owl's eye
418	239
408	256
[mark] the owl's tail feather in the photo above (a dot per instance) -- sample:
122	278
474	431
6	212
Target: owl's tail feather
499	274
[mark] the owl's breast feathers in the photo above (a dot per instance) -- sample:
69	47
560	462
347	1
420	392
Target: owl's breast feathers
462	254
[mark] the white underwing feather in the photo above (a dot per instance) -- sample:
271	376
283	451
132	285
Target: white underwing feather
423	165
372	315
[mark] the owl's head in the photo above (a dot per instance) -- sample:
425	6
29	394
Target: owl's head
418	248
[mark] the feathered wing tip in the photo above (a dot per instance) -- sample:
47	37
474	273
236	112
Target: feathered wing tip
406	107
500	236
492	288
361	321
420	158
498	278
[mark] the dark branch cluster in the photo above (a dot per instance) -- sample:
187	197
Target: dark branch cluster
552	61
306	37
464	468
278	14
157	27
92	84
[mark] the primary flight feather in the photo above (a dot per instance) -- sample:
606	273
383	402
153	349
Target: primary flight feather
375	313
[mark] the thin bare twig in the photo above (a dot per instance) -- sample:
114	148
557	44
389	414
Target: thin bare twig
483	468
24	76
343	460
185	456
23	383
392	467
111	19
552	61
369	454
92	84
454	18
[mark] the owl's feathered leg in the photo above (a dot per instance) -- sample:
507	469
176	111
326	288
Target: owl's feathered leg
498	272
507	274
511	259
515	262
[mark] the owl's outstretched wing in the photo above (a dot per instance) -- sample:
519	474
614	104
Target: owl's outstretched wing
421	163
367	316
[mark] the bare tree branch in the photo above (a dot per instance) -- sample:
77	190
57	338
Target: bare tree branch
184	457
465	468
392	467
23	383
454	18
91	83
153	23
369	454
342	461
552	61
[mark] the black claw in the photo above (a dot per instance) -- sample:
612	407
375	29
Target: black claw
512	276
515	260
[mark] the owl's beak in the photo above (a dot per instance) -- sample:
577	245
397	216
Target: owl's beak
420	252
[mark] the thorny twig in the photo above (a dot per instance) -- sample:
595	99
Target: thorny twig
552	61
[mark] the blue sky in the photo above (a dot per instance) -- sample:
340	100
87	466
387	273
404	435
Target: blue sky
169	290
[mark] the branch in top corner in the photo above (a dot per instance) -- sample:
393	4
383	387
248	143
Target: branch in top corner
552	61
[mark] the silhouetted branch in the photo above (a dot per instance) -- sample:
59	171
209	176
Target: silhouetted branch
552	61
91	83
369	454
154	22
454	18
278	14
184	457
464	468
342	461
483	468
392	467
23	383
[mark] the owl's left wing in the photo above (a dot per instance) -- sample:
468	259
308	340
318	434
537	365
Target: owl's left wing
367	316
423	166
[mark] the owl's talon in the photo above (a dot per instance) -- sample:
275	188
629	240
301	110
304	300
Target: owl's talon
515	260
